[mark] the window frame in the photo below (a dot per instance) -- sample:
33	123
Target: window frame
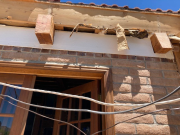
65	71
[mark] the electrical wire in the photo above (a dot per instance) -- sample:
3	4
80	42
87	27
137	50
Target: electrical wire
80	129
135	118
80	110
82	97
44	116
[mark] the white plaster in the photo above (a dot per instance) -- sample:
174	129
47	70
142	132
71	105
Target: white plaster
85	42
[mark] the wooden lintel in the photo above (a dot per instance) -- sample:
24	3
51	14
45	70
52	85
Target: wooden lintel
161	43
6	115
45	29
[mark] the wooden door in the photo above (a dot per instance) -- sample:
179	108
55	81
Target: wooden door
87	122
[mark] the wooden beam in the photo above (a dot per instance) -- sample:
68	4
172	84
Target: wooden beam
20	117
107	96
3	92
45	29
161	43
11	78
6	115
52	70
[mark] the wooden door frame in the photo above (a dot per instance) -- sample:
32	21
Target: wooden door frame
65	71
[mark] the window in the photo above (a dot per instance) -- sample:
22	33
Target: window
7	110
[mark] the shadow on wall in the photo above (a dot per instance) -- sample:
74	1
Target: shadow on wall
134	86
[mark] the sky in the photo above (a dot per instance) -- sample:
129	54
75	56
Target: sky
142	4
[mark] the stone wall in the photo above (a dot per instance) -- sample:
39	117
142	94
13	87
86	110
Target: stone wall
134	80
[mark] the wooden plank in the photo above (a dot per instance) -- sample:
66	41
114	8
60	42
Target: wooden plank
3	92
45	29
20	117
107	93
161	43
6	115
94	106
11	78
52	73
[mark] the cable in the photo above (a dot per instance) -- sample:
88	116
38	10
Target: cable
44	116
80	110
82	97
80	129
134	118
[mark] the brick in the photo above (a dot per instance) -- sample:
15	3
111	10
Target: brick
122	108
154	108
156	97
143	129
122	71
56	52
139	89
125	129
122	56
148	89
72	52
164	82
45	51
128	97
152	59
81	53
161	66
147	119
90	54
98	55
1	47
171	74
26	49
8	48
148	73
128	63
168	119
20	56
171	61
129	79
94	61
147	109
148	59
18	49
36	50
170	89
122	87
63	52
59	59
164	60
107	55
114	56
132	57
139	58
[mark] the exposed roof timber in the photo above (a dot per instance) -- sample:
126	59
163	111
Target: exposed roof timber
174	39
93	6
128	32
69	15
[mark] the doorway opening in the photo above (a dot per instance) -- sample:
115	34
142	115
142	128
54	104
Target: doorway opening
89	123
